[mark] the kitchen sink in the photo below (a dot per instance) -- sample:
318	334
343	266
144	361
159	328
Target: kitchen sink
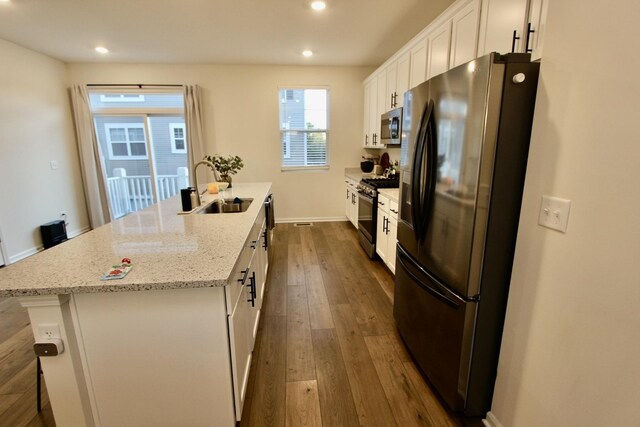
226	206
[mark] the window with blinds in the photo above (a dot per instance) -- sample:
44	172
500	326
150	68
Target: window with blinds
304	128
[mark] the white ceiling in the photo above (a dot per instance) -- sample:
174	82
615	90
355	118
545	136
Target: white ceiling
347	32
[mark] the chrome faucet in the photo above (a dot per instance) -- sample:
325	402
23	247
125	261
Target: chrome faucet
195	177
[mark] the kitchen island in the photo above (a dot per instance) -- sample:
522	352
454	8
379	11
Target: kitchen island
170	343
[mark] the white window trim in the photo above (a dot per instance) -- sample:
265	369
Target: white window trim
112	156
121	98
284	131
172	127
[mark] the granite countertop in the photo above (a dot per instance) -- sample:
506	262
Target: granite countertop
391	193
357	174
168	251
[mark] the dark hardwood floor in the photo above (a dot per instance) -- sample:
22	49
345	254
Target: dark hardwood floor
327	351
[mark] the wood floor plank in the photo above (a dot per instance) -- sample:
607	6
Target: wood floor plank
319	239
16	353
275	303
300	363
333	286
437	412
23	410
44	418
268	403
309	255
369	398
303	404
294	234
407	407
333	385
295	272
319	311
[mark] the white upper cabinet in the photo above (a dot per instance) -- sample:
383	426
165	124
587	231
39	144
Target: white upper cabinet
439	44
375	103
402	81
536	27
464	34
502	26
418	71
397	81
512	26
366	128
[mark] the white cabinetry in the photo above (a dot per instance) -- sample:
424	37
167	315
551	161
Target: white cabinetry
502	26
247	292
387	231
397	81
511	26
351	202
418	71
464	34
536	28
439	47
374	105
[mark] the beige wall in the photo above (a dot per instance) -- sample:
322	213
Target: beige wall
570	353
36	127
241	115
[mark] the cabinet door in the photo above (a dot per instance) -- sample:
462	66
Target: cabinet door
402	78
392	240
240	351
537	19
499	19
438	50
347	204
464	34
383	102
374	119
381	235
254	302
354	207
418	72
366	136
391	83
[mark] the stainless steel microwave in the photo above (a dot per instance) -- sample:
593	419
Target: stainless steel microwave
391	127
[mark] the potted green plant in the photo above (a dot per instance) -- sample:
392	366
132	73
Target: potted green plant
225	166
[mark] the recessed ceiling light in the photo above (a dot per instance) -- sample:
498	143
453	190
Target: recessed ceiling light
307	53
102	50
5	1
318	5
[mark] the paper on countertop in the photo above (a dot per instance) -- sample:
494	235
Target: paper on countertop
117	271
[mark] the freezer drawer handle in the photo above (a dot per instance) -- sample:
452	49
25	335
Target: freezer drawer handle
435	292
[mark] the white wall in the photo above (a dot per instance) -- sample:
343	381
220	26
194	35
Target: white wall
36	127
571	348
241	117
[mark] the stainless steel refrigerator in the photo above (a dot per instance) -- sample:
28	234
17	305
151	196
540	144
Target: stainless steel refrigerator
463	160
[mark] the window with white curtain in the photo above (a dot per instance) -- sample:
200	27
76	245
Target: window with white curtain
142	139
304	128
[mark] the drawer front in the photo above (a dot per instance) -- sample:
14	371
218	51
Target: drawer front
393	209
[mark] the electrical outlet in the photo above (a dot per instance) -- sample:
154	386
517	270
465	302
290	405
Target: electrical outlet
49	330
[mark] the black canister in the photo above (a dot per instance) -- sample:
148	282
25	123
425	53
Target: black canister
185	195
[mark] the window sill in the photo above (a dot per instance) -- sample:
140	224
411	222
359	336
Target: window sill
304	169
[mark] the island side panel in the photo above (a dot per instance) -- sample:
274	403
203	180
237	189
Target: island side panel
66	385
157	357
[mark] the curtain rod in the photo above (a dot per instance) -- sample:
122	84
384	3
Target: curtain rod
140	86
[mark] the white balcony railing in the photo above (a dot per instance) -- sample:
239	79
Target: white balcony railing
133	193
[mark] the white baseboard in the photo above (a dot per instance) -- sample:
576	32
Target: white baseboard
323	219
491	420
31	251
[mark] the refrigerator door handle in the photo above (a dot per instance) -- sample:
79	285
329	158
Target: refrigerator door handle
428	185
416	173
451	300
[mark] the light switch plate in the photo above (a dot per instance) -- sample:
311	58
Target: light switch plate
554	213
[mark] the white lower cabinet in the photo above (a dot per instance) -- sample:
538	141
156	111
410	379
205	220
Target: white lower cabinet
351	201
387	231
247	293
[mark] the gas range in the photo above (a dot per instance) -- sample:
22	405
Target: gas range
369	186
